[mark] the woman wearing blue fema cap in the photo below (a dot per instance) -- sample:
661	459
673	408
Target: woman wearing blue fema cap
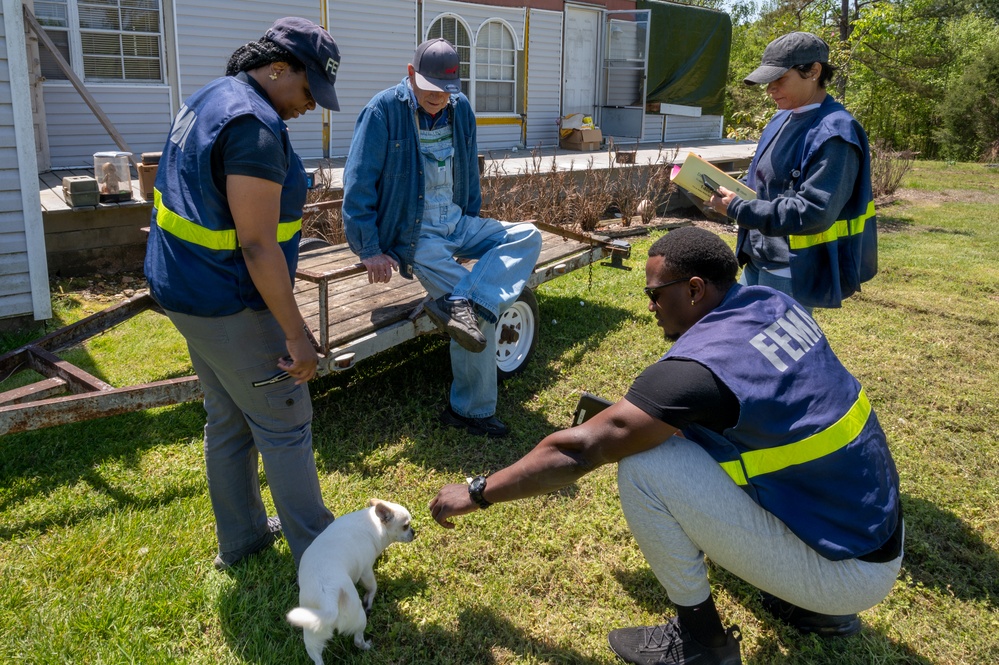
811	232
221	261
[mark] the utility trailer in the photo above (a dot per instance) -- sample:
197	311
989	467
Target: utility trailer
349	319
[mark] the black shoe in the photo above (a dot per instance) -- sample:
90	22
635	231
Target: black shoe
671	644
491	426
226	560
458	320
811	623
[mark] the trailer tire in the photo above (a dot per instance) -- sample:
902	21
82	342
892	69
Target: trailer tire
516	335
310	244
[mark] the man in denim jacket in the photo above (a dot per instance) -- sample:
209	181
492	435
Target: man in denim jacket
411	204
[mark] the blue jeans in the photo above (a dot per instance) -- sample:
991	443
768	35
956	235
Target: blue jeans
753	276
505	255
230	354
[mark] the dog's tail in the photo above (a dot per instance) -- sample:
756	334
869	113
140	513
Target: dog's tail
309	619
348	610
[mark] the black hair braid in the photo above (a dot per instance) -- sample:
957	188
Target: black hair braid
258	54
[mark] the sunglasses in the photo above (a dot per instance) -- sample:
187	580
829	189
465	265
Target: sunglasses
652	291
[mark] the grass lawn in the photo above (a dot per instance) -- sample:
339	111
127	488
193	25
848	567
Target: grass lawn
107	537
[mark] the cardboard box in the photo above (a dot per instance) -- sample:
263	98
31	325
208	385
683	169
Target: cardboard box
582	139
147	178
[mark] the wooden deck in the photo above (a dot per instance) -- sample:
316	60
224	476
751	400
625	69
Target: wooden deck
54	201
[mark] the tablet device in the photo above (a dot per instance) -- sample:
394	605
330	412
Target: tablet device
589	405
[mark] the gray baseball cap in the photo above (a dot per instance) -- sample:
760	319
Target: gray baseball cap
315	48
437	66
794	48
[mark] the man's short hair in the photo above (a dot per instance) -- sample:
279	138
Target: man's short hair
695	252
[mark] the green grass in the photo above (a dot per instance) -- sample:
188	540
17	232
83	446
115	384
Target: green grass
106	533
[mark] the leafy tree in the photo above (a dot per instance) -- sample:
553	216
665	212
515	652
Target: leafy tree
897	59
970	111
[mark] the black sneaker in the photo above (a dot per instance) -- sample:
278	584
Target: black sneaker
226	560
491	426
457	319
671	644
808	622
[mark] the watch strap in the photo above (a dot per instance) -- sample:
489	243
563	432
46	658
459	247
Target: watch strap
476	486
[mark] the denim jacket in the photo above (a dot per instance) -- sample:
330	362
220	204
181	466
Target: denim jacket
383	180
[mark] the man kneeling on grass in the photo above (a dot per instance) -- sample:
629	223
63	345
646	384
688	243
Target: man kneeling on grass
782	474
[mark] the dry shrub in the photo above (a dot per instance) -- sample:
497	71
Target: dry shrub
991	153
888	167
325	222
578	198
645	191
572	198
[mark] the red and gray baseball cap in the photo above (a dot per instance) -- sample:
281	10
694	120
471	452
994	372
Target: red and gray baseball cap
794	48
437	66
316	49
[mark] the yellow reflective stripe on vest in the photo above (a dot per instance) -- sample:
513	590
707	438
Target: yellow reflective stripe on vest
196	234
841	229
820	444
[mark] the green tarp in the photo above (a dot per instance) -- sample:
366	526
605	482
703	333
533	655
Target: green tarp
688	55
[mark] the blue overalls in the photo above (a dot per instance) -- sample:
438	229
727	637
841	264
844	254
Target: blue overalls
505	255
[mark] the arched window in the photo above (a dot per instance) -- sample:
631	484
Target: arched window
495	69
453	30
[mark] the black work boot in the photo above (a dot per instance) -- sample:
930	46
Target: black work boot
808	622
671	644
458	320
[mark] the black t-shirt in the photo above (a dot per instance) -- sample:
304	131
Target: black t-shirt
683	392
245	146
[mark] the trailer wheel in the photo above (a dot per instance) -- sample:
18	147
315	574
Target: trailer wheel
516	336
310	244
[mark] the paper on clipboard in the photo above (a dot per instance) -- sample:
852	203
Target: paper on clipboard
697	177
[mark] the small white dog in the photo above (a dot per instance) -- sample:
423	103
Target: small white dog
343	555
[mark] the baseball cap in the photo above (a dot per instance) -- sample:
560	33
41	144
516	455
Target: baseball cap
794	48
437	65
315	48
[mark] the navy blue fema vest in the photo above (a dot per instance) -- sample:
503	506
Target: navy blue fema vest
808	447
193	261
830	266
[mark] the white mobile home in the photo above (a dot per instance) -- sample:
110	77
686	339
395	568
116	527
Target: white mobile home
524	67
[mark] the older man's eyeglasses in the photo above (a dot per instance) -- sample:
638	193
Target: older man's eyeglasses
653	291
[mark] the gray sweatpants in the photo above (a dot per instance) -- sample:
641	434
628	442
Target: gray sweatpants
681	506
274	417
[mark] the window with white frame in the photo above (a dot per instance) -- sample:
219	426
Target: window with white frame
453	30
103	40
493	59
495	69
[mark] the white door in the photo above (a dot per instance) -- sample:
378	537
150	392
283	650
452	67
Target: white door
579	69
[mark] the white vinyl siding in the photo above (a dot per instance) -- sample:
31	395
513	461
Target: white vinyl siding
375	54
141	114
652	128
23	271
682	128
208	33
544	77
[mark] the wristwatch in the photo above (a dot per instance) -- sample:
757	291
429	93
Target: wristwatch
476	486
